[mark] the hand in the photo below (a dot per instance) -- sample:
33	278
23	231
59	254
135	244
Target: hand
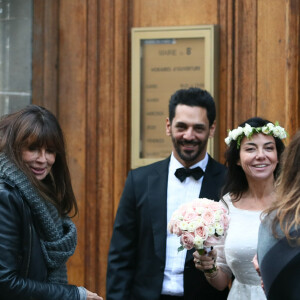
92	296
256	266
205	262
255	263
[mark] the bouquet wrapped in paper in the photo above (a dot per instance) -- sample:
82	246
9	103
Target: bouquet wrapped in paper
200	224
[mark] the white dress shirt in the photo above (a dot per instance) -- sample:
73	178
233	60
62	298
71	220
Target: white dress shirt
177	194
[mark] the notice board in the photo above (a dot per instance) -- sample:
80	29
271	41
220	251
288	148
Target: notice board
165	59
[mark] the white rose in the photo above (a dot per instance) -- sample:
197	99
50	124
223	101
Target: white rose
247	130
228	140
276	131
198	242
235	133
199	210
211	230
265	130
282	133
219	229
218	214
192	226
183	225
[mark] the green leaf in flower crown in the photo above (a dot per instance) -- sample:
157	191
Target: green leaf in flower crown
240	137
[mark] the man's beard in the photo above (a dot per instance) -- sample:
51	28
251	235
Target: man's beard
189	157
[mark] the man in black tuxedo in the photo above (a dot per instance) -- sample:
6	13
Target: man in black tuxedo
143	262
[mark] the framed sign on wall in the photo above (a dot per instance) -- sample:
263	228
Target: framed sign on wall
165	59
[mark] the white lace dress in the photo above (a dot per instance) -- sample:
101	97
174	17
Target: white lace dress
239	249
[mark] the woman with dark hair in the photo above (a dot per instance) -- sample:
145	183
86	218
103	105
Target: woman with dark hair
254	149
36	235
278	248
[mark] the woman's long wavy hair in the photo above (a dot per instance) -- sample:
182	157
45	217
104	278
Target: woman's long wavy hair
236	182
35	127
287	204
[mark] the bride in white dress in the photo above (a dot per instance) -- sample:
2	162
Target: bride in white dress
252	160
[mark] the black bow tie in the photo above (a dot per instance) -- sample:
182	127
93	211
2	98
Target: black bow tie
183	173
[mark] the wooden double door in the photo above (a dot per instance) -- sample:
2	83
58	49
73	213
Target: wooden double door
82	72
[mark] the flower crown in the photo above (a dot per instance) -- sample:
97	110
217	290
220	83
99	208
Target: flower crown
240	132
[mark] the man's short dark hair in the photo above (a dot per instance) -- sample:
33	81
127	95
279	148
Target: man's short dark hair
193	97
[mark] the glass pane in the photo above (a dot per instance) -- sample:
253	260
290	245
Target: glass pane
15	54
166	66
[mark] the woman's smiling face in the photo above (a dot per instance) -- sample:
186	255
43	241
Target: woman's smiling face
39	160
258	156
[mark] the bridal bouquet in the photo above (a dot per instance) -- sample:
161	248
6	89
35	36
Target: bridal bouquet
200	224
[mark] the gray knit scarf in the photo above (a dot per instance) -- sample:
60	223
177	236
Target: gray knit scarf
58	235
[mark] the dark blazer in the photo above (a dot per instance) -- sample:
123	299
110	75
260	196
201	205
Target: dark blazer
137	252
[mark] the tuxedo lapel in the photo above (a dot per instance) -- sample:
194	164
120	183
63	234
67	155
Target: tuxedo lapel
157	197
211	180
207	184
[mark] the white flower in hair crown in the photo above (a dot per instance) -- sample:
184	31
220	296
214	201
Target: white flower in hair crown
237	134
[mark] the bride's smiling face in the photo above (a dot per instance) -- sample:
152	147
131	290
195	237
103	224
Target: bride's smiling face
39	160
258	156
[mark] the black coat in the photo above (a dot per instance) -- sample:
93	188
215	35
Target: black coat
23	272
137	252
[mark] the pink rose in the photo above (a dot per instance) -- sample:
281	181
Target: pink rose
187	240
202	231
174	228
190	216
208	217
